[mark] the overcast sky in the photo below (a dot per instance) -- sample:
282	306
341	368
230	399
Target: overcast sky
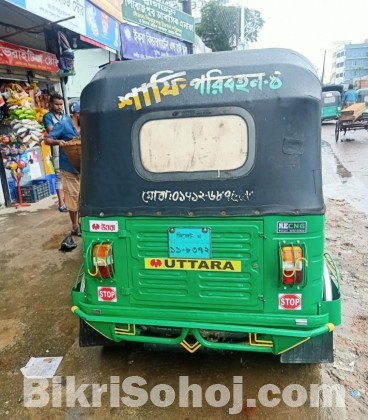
310	26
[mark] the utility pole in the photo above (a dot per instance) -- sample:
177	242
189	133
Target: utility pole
323	67
242	40
187	8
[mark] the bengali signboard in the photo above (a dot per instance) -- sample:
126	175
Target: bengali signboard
101	27
161	18
18	56
54	10
88	20
139	42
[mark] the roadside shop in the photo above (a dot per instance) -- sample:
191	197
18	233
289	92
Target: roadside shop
27	77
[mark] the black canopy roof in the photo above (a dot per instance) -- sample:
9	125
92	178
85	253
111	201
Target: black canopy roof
282	99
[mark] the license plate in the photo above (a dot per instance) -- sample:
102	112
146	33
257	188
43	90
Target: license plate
189	242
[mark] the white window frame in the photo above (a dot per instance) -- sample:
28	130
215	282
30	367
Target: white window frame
241	165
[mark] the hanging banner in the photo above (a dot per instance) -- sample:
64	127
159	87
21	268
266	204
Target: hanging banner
101	27
88	20
17	56
159	17
54	10
137	42
111	7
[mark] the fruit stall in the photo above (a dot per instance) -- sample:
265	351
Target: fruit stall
25	158
26	80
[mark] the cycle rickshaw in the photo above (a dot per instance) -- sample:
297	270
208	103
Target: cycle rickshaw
355	120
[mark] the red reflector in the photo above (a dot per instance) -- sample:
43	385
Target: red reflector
292	265
102	261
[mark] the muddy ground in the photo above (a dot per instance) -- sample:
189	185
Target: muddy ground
346	239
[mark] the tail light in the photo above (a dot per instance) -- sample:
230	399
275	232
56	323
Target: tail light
293	263
103	262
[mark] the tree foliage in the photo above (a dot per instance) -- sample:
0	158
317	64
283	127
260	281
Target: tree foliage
220	25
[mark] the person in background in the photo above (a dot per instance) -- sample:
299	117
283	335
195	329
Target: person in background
350	96
49	120
64	131
75	113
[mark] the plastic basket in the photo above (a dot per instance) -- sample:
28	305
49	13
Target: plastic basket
52	183
12	189
39	181
73	150
31	193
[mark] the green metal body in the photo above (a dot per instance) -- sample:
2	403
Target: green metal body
330	112
196	307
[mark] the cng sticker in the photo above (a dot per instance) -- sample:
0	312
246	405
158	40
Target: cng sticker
199	265
290	302
107	294
292	227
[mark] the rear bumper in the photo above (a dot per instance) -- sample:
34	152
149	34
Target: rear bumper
281	334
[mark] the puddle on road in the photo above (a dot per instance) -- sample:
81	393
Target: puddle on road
53	243
341	170
341	184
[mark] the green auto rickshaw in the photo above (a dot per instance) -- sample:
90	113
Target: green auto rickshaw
331	105
202	210
363	97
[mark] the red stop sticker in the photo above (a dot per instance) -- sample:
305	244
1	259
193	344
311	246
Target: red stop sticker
107	294
290	302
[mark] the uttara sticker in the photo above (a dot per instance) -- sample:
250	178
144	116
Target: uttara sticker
291	302
106	226
199	265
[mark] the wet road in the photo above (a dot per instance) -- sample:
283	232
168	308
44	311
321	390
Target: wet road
345	168
36	322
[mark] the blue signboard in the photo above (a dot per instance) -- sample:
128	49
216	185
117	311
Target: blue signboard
190	243
137	42
101	27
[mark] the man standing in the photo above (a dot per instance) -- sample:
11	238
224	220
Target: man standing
64	131
350	96
49	120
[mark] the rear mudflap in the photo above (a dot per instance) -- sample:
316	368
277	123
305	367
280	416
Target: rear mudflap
90	337
316	350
